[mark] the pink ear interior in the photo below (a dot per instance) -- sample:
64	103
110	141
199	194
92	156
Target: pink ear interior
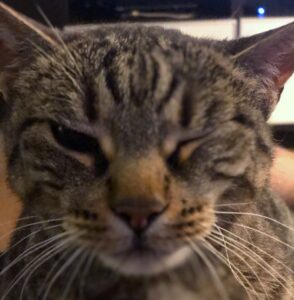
283	78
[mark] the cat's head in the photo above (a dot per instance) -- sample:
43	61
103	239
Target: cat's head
134	136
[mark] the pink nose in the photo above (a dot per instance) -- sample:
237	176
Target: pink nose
138	213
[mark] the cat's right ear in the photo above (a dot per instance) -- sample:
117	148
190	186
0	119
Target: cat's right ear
18	36
268	57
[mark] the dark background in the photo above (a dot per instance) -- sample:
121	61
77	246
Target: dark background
62	12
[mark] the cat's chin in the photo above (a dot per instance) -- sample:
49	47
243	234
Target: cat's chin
147	264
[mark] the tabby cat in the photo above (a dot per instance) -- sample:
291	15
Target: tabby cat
142	157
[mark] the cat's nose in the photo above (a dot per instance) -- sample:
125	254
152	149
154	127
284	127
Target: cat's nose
138	213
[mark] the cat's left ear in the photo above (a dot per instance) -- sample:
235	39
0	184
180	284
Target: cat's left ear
19	38
268	56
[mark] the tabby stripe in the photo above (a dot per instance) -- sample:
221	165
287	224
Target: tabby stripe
209	111
130	63
143	77
187	110
244	120
89	103
228	194
171	89
52	185
113	87
155	76
13	156
139	80
239	181
48	169
248	123
3	108
263	146
110	76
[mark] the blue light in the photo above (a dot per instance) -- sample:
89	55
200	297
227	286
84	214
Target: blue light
261	11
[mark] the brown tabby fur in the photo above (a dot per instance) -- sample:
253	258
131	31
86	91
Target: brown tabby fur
178	129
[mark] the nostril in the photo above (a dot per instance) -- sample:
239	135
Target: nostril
153	216
125	217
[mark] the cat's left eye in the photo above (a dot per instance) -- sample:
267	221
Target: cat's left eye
82	143
73	140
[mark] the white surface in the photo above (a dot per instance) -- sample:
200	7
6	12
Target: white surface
214	29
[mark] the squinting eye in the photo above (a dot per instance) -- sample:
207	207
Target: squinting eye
79	142
178	149
73	140
182	153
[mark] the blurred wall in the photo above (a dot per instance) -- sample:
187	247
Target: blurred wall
9	205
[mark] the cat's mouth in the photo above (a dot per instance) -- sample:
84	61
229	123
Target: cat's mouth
142	260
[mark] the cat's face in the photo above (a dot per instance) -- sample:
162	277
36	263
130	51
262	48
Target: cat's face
132	148
134	137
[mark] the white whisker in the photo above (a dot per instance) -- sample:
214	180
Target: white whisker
232	204
214	275
61	270
26	226
26	237
31	250
216	240
233	268
257	248
43	257
74	275
12	221
54	267
254	215
58	63
85	272
59	37
263	264
261	232
37	264
239	272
